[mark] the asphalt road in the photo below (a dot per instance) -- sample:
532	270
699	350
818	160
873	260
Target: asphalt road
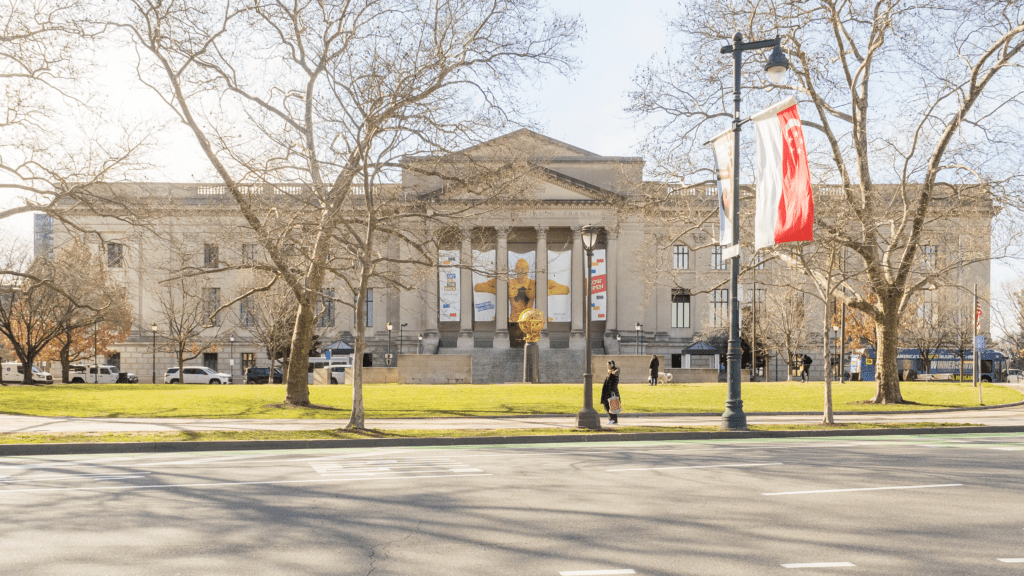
906	505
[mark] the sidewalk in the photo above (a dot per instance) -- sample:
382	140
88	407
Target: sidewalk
1001	416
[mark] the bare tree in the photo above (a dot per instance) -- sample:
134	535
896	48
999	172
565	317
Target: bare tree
190	306
326	97
947	114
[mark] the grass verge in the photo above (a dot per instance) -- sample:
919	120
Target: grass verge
424	401
342	434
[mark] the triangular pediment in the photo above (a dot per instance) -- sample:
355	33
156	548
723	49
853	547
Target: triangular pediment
527	143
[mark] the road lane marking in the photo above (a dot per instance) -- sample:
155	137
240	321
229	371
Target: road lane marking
691	467
207	484
595	572
819	565
58	477
1012	560
858	489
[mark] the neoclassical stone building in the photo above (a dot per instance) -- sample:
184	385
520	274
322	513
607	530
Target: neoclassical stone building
659	280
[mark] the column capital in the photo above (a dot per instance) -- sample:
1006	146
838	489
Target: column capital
542	231
503	231
467	229
577	232
612	233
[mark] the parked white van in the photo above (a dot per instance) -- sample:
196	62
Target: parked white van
335	363
13	373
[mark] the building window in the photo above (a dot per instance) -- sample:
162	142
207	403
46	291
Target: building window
211	256
720	308
248	254
717	262
680	257
325	309
245	314
212	304
248	360
680	308
758	261
114	359
210	360
115	255
369	308
929	256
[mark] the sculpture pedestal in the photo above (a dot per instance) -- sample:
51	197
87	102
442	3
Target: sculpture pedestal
531	362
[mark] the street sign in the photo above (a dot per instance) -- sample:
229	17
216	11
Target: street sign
979	342
327	354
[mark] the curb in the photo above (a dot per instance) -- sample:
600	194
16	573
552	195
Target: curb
235	445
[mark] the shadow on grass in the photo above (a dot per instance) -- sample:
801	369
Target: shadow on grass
288	406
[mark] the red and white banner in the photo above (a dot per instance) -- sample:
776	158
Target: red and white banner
785	208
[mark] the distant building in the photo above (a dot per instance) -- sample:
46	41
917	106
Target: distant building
43	236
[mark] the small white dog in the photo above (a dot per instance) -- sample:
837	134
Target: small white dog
664	377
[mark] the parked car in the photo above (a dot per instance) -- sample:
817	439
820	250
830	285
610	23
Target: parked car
197	375
14	373
261	375
337	374
1015	376
79	374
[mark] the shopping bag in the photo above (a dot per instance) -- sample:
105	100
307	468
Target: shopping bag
614	404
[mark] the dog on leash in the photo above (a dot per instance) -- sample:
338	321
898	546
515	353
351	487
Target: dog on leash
664	377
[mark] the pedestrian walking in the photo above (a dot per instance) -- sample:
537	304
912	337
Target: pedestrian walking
610	389
653	380
805	375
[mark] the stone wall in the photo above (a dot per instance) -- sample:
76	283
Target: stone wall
421	369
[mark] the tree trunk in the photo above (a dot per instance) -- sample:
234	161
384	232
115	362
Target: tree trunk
357	418
827	416
65	359
298	361
887	377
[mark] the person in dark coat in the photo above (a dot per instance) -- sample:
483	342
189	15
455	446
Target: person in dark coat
654	369
611	387
805	375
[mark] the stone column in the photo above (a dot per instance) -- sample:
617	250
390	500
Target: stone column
501	340
466	288
541	277
611	267
578	291
430	312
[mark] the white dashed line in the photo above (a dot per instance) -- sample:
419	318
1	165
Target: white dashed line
820	565
1012	560
858	489
595	572
692	467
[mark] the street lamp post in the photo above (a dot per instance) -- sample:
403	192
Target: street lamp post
733	418
587	416
153	328
95	354
231	357
401	339
419	344
638	329
390	328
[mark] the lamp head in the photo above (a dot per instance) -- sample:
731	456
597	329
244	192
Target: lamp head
777	65
420	337
153	327
231	339
390	327
589	234
637	326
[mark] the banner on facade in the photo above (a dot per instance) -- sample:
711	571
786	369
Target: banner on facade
560	272
484	297
522	285
598	287
449	292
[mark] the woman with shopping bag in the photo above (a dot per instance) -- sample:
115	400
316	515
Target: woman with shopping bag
610	393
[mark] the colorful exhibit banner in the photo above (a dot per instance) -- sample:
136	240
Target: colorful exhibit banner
449	292
522	285
598	287
560	273
484	297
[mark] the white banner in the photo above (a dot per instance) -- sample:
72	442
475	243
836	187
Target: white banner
598	287
449	292
560	273
522	286
484	297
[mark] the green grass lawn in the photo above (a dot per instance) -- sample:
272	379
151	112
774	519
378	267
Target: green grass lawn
407	401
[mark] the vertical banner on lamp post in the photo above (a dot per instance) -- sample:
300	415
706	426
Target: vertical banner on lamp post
484	292
598	287
722	145
449	291
560	274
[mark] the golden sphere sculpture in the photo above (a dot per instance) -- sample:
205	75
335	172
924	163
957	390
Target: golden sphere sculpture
531	322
